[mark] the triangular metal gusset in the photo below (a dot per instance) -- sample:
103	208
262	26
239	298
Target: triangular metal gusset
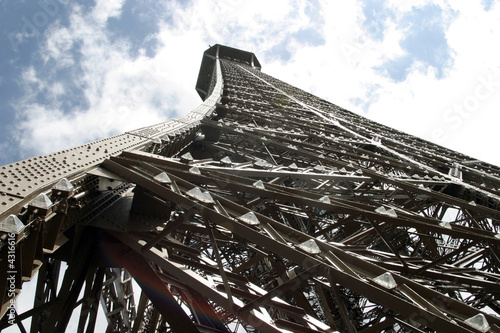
266	209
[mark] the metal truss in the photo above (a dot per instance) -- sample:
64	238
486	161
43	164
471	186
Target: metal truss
266	209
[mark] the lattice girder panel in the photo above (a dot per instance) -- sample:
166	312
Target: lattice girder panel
227	208
221	219
274	174
435	165
415	193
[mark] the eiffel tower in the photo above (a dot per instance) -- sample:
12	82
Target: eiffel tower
265	209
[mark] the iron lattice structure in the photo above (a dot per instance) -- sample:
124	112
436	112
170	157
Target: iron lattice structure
266	209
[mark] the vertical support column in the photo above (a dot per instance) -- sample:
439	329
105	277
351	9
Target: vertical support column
46	291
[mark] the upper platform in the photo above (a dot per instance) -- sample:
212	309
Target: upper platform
208	64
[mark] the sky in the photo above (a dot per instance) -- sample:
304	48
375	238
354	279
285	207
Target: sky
72	72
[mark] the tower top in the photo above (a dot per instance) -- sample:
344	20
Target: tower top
208	63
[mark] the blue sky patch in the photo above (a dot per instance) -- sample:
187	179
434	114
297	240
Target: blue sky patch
279	51
138	25
375	14
488	4
397	69
370	96
313	12
425	42
309	37
24	24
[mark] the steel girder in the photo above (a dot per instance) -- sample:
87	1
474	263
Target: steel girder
265	209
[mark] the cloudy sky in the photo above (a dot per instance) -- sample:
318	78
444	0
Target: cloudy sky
73	72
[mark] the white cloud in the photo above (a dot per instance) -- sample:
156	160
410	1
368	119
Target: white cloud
58	47
419	104
122	93
104	9
131	92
